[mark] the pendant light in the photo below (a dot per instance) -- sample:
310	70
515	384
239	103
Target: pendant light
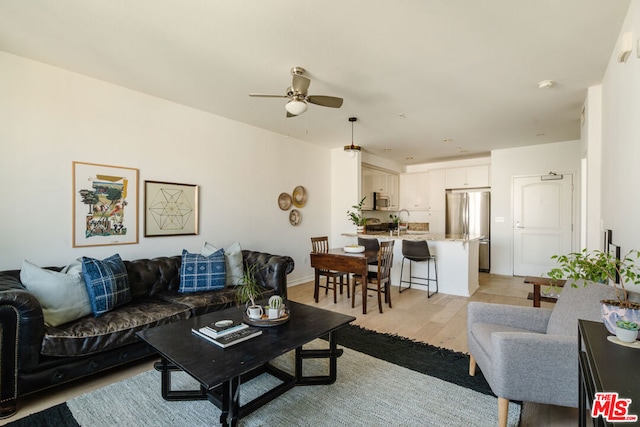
352	149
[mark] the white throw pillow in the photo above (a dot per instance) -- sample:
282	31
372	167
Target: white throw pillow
233	260
63	295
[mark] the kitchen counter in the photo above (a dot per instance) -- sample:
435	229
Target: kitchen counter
415	235
457	258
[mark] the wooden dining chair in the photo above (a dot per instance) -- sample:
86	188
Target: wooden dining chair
380	280
334	278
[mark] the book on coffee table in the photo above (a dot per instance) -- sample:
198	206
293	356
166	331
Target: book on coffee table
233	338
220	328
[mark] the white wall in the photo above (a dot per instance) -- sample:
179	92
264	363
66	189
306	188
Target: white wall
51	117
592	151
561	157
345	189
621	141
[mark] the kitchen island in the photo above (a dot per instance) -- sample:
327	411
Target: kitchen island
457	258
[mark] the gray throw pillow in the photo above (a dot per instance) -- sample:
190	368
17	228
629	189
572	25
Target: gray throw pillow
233	260
62	295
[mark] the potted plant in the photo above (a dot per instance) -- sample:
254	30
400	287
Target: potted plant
603	267
275	308
395	221
248	290
356	217
626	331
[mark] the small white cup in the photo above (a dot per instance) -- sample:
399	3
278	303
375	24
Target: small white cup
255	312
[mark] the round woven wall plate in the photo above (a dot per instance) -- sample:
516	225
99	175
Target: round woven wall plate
295	217
284	201
299	196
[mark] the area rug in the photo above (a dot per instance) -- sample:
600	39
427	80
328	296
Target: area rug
369	391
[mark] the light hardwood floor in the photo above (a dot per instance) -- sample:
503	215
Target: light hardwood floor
440	321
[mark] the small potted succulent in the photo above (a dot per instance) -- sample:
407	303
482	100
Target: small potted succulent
276	307
627	331
356	216
603	267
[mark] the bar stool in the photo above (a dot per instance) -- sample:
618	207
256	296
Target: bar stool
418	251
370	245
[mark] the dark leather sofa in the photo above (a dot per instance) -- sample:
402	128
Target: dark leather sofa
36	357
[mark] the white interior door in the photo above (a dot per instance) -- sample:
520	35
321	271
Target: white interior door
543	223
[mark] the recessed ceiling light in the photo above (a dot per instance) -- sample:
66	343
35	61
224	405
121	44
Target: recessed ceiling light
545	84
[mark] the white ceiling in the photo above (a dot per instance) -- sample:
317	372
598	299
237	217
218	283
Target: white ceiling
414	72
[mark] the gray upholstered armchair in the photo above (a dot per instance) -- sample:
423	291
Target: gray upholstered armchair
531	354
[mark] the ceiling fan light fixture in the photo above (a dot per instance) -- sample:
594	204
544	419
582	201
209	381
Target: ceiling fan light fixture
352	149
296	107
546	84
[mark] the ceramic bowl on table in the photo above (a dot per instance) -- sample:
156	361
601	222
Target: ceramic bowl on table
354	249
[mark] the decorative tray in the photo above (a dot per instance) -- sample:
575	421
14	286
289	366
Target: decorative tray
615	340
265	322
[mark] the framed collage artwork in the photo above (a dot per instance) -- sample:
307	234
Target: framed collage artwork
105	205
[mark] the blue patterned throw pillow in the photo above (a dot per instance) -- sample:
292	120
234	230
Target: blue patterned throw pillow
202	273
107	283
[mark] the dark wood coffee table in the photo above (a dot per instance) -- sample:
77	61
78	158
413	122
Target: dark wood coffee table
221	371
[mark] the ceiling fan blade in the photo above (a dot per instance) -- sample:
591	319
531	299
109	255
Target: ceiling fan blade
325	101
300	84
266	95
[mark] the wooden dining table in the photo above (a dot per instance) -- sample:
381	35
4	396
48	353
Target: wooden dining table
337	259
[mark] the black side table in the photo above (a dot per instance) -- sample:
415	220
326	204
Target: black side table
605	367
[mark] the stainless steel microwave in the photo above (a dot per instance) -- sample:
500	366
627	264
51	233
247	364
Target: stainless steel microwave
381	201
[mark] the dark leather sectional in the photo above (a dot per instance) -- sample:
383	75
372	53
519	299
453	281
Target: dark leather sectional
35	357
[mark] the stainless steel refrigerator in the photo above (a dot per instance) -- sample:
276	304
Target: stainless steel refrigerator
468	213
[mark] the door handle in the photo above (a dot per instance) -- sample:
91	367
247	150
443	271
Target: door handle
518	225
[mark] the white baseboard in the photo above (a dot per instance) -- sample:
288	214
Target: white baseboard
300	281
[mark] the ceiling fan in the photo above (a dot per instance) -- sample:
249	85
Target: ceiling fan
298	97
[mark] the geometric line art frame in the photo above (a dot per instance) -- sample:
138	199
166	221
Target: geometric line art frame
170	209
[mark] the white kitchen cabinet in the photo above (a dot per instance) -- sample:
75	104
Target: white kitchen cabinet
478	176
467	177
393	190
414	191
455	177
377	181
425	191
436	190
436	221
367	188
